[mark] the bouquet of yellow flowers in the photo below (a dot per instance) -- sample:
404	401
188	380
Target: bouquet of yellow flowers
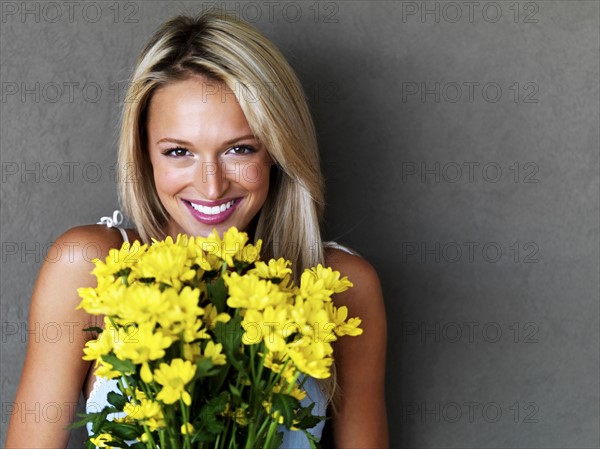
210	346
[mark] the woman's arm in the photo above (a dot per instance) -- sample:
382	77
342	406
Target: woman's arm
54	372
360	420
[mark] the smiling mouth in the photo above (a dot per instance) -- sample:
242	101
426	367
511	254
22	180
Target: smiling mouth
212	214
207	210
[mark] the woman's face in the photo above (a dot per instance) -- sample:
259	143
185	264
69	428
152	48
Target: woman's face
209	170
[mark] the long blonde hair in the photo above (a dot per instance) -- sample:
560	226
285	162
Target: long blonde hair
221	47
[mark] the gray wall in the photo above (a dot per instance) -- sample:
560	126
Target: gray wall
461	154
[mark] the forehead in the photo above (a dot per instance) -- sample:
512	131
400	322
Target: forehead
195	106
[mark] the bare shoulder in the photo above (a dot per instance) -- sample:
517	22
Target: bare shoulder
54	371
70	261
89	239
359	419
365	297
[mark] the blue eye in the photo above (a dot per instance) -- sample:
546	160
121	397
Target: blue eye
176	152
242	149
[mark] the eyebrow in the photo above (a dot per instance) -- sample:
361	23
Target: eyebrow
186	143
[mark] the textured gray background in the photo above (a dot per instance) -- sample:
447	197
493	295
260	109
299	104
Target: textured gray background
490	273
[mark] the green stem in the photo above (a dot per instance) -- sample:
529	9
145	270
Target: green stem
187	444
270	433
149	435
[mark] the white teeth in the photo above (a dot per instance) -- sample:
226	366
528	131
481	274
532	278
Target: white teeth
212	210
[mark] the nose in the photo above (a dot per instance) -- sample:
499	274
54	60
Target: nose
210	181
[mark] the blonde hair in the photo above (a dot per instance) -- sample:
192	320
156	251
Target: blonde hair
223	48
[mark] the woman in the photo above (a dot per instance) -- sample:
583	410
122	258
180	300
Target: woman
218	134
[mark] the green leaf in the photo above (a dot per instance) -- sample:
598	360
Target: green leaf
123	366
138	445
305	419
230	336
286	405
205	368
209	421
100	421
235	391
116	443
312	440
217	294
124	431
93	329
277	439
116	399
85	418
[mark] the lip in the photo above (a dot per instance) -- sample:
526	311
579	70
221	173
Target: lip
216	218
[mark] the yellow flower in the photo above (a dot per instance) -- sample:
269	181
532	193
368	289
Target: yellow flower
224	249
313	288
102	439
251	292
105	370
187	428
213	352
311	319
146	412
211	317
103	345
191	351
343	327
119	261
278	269
276	415
295	391
166	263
240	417
106	299
145	409
138	394
271	326
182	314
250	253
232	247
174	378
313	359
141	344
143	304
331	279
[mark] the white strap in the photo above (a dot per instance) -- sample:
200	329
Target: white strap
340	247
114	222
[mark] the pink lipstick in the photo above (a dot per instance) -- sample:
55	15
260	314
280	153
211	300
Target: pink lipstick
212	212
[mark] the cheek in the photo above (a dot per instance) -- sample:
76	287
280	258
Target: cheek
255	177
166	181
